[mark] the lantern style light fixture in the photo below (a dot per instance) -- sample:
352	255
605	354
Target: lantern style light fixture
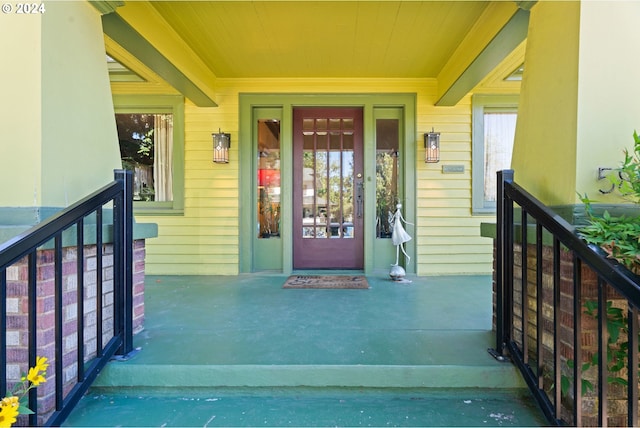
432	147
221	144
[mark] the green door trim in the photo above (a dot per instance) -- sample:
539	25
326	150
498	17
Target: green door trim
248	102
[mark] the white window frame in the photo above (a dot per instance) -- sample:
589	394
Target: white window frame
480	103
173	104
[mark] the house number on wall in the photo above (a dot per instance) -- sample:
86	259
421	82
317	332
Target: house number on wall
603	176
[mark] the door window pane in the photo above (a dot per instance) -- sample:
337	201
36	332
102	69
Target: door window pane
335	185
146	148
348	189
328	167
308	186
320	191
387	146
268	178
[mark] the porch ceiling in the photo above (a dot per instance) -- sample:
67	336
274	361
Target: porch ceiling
322	39
319	39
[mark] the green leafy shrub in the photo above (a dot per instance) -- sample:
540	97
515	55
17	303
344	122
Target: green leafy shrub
619	236
617	347
628	177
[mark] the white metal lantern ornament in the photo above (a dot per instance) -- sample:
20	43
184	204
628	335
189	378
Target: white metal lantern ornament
221	144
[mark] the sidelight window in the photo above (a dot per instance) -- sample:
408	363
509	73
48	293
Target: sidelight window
387	146
268	178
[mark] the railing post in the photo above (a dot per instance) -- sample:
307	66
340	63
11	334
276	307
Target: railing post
501	247
124	214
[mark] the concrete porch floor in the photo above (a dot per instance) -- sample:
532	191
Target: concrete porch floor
421	346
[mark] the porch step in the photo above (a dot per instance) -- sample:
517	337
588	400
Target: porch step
305	407
493	375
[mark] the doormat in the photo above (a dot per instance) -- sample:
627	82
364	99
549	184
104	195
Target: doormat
326	281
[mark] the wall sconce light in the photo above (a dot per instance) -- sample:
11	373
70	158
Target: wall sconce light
432	147
221	144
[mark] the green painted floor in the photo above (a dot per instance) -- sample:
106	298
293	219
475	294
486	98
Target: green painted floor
242	351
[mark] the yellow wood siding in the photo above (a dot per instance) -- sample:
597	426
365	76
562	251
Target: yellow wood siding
205	240
448	236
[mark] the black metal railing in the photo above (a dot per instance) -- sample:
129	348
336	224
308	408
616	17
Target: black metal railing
546	279
108	297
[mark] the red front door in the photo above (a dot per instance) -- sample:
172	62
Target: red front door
328	192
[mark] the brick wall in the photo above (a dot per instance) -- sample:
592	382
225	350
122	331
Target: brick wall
18	304
139	254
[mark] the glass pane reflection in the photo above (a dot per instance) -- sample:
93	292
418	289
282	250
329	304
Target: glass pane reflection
268	178
328	158
387	145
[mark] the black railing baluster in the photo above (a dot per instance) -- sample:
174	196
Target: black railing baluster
99	290
32	291
523	291
577	340
557	370
59	312
3	331
80	297
632	359
539	308
602	353
99	302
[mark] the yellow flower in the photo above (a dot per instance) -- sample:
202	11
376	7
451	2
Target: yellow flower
35	377
41	364
10	406
8	411
10	401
